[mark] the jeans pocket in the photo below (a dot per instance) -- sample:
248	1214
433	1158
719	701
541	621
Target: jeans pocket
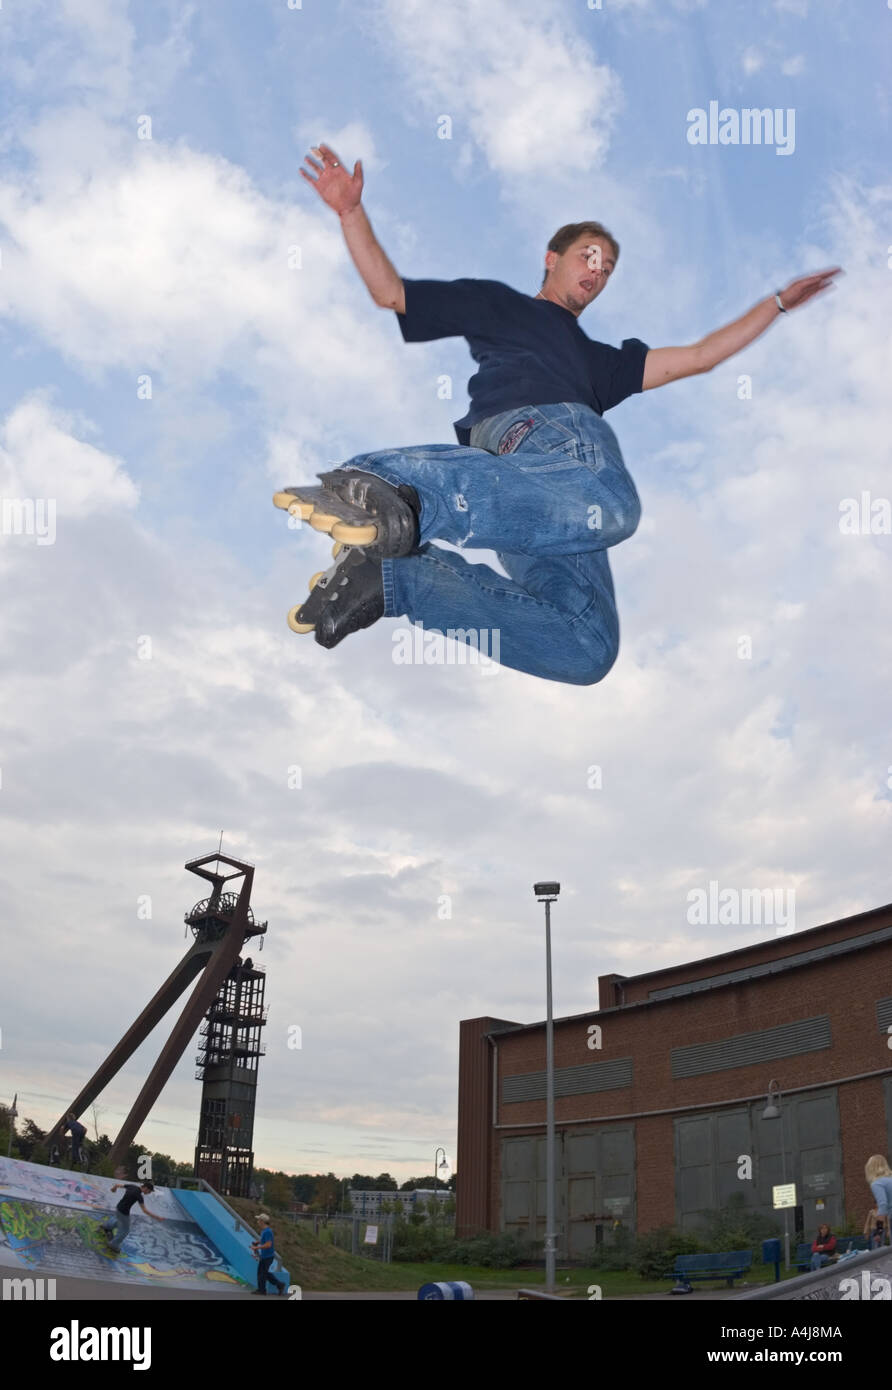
547	445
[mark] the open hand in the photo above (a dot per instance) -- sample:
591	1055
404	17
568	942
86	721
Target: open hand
807	286
341	190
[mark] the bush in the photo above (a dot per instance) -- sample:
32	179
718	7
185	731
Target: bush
737	1228
504	1251
617	1254
654	1254
420	1244
426	1243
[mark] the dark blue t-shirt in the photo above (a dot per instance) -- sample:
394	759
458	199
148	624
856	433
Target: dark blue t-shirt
132	1195
529	351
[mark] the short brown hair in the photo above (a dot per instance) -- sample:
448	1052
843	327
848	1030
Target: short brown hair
572	231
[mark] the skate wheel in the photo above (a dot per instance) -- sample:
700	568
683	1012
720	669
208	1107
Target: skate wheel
298	626
336	549
289	503
323	521
315	578
353	535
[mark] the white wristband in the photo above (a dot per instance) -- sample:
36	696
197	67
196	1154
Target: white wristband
777	300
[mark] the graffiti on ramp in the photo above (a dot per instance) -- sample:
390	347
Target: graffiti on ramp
64	1236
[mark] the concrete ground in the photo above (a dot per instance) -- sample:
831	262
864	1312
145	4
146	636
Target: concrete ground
103	1291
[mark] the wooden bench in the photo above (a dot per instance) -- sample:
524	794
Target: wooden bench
726	1264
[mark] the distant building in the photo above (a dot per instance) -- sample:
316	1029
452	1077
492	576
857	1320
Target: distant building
660	1094
369	1204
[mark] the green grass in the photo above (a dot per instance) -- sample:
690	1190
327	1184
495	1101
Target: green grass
317	1265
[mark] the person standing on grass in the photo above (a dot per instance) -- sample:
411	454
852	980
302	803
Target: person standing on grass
264	1250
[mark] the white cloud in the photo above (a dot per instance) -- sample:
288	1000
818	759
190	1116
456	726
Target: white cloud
354	138
752	60
416	781
534	98
41	457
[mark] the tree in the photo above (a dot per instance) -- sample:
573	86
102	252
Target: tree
364	1182
29	1139
428	1181
303	1185
327	1192
278	1191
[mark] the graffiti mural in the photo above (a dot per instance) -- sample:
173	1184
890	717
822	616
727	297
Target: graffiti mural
69	1241
67	1189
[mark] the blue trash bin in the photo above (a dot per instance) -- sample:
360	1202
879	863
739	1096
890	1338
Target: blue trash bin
771	1255
458	1291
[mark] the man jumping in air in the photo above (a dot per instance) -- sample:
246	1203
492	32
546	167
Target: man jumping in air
537	474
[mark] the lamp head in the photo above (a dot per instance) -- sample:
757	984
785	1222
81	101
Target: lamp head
546	891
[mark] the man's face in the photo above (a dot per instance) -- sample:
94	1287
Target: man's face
578	276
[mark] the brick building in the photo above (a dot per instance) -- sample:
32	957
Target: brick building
654	1112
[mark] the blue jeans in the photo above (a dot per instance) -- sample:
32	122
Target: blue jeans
546	488
121	1227
818	1260
264	1268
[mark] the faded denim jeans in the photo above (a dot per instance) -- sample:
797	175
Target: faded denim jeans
546	488
120	1225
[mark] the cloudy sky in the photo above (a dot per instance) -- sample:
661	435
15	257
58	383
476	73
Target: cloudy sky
169	361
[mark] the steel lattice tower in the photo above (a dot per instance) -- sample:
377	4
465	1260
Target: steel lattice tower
221	924
227	1061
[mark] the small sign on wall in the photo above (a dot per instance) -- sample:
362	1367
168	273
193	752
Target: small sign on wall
784	1195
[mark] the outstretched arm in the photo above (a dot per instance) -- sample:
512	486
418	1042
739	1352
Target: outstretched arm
663	365
343	194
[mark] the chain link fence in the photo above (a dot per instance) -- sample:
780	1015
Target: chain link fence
357	1235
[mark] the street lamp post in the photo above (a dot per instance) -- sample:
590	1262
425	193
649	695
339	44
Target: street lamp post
547	893
437	1167
774	1111
13	1116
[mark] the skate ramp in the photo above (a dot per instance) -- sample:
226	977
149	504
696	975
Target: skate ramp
863	1277
49	1225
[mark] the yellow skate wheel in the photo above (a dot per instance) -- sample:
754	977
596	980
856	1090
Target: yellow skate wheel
289	503
336	549
323	521
297	626
353	535
316	577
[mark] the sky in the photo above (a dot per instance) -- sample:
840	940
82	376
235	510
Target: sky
183	334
